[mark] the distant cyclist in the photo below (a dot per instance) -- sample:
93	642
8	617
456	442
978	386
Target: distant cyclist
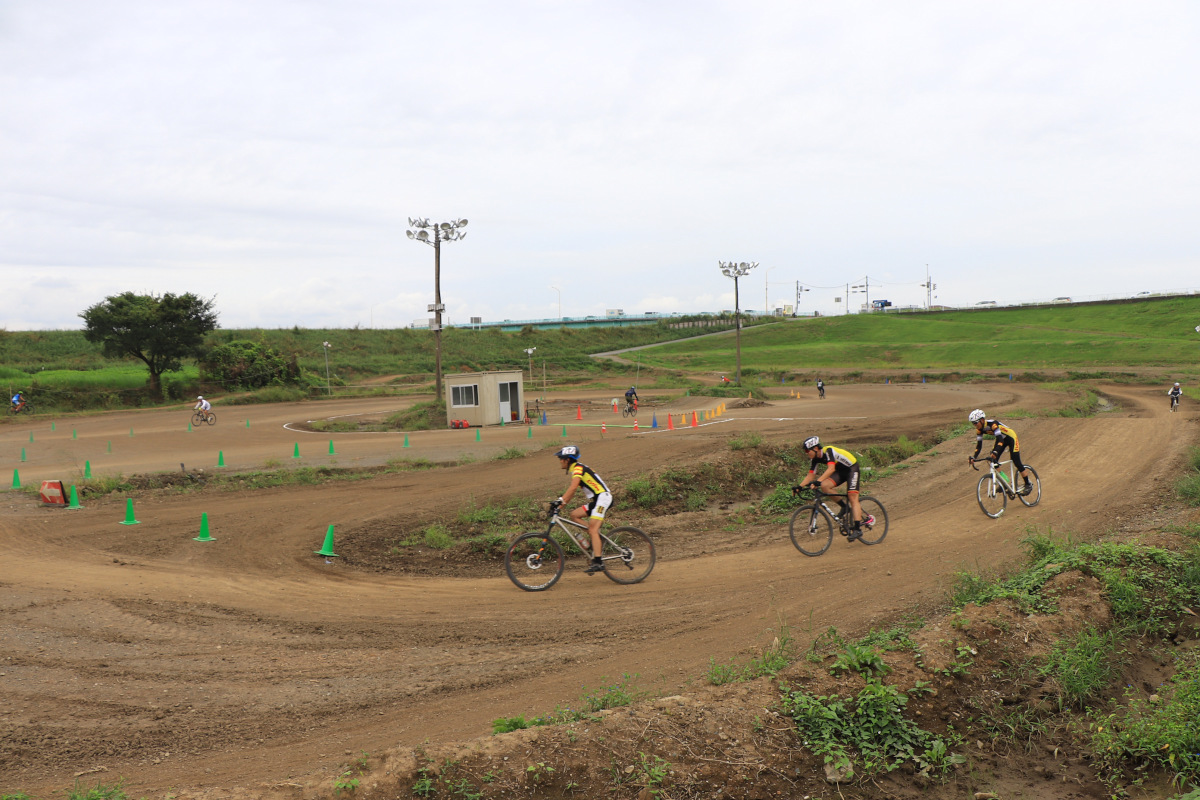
631	398
1175	393
821	388
599	498
840	467
1005	437
18	402
203	406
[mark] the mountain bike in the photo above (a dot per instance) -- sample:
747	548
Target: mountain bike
535	561
24	408
201	417
812	526
996	488
630	410
1174	402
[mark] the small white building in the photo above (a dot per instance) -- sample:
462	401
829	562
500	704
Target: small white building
485	398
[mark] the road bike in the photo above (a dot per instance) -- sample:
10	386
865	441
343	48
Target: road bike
630	410
812	525
535	561
201	417
1174	402
996	488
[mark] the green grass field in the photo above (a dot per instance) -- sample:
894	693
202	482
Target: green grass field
1155	338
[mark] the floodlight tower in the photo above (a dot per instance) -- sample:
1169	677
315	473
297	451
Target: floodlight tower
735	270
442	232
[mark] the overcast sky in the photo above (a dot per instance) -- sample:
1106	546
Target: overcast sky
270	153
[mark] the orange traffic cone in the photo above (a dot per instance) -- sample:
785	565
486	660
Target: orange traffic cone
694	419
615	407
670	422
579	412
603	429
635	427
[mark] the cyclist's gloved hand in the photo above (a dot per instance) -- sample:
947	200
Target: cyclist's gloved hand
797	490
970	459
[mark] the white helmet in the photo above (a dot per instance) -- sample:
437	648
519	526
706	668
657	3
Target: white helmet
199	397
812	442
976	415
1176	383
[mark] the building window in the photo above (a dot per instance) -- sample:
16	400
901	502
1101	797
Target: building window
464	395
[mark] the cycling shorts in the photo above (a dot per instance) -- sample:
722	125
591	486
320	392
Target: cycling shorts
598	505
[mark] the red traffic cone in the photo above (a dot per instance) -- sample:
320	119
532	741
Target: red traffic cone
579	412
603	429
694	420
635	427
670	422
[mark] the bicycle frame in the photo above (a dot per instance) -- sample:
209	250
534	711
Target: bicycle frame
1007	482
566	523
842	516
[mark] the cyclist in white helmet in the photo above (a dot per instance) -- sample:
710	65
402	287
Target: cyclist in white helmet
1005	437
599	498
203	405
1175	393
840	467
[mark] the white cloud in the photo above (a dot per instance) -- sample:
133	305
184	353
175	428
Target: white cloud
270	154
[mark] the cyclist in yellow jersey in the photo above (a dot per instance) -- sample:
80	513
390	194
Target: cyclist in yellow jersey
599	498
840	467
1005	437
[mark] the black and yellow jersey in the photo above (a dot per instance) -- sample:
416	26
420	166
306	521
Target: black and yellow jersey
589	481
833	455
1004	435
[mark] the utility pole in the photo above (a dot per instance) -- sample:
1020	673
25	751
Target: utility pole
442	232
736	270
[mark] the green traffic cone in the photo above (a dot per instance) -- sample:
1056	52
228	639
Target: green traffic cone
247	423
220	458
477	437
129	518
327	548
74	435
296	451
22	454
331	452
189	426
52	426
564	430
203	537
16	479
131	433
110	445
406	440
529	433
87	469
74	498
31	437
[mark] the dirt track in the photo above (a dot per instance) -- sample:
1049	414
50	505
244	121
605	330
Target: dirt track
176	663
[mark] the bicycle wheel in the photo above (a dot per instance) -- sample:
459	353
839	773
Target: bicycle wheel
534	562
198	419
991	495
811	530
1035	495
212	418
633	557
874	520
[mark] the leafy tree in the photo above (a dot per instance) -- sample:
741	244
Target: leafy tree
243	364
161	331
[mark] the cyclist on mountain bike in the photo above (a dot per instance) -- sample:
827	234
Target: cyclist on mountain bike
840	467
1005	437
599	498
1175	393
821	388
631	398
203	405
18	401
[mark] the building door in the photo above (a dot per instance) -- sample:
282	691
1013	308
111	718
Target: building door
509	397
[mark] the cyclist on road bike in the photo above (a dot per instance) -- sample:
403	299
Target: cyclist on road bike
599	498
840	467
203	405
631	398
1005	437
1175	393
18	401
821	388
